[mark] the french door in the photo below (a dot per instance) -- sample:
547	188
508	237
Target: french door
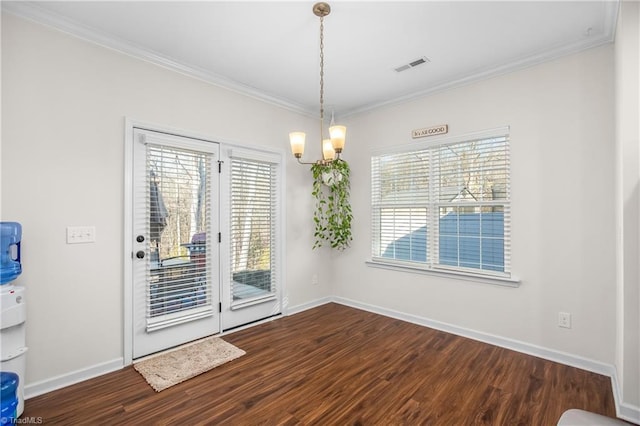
175	241
252	239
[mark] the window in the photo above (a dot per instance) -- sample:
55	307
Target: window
444	205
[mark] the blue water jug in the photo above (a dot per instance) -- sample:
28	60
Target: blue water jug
8	398
10	236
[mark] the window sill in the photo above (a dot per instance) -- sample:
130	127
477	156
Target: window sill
444	273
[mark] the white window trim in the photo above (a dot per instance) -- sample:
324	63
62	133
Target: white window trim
409	267
486	277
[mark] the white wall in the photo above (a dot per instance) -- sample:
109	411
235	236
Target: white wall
627	58
561	118
64	101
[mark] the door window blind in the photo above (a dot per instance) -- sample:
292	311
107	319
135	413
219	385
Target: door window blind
253	230
444	205
178	204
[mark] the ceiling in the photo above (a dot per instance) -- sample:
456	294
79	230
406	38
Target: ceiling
270	50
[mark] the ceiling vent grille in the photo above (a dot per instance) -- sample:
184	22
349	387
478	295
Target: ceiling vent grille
412	64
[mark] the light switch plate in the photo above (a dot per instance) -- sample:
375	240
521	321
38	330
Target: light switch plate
81	234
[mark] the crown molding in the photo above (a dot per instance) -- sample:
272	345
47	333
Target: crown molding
608	36
30	11
35	13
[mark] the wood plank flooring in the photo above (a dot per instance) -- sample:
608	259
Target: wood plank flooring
335	365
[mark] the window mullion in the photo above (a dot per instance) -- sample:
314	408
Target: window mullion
432	210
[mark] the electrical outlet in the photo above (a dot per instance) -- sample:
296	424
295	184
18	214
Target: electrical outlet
564	319
314	279
81	234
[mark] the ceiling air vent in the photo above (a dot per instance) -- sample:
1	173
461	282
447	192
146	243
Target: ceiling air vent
412	64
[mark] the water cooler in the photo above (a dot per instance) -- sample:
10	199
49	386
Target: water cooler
13	314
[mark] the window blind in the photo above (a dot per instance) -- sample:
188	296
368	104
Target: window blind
444	205
253	229
178	205
400	190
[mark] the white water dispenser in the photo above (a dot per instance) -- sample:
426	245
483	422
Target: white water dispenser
13	315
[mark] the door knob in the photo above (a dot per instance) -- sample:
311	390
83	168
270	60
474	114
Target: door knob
140	254
140	238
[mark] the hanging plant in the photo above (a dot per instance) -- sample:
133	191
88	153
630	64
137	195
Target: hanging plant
332	216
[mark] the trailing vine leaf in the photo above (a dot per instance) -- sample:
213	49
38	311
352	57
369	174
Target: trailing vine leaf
332	215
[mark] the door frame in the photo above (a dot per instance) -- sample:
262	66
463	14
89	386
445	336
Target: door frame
129	125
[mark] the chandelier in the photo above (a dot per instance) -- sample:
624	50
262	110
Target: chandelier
331	147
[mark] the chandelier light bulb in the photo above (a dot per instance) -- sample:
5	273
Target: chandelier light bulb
328	153
296	139
338	135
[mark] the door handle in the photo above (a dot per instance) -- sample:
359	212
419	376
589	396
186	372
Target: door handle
140	238
140	254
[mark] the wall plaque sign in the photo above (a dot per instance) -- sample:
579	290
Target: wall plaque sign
430	131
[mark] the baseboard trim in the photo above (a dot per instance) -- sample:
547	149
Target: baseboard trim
628	412
292	310
518	346
64	380
624	411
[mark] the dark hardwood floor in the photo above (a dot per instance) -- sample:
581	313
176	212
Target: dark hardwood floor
335	365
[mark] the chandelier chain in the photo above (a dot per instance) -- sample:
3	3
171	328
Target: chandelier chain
321	78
